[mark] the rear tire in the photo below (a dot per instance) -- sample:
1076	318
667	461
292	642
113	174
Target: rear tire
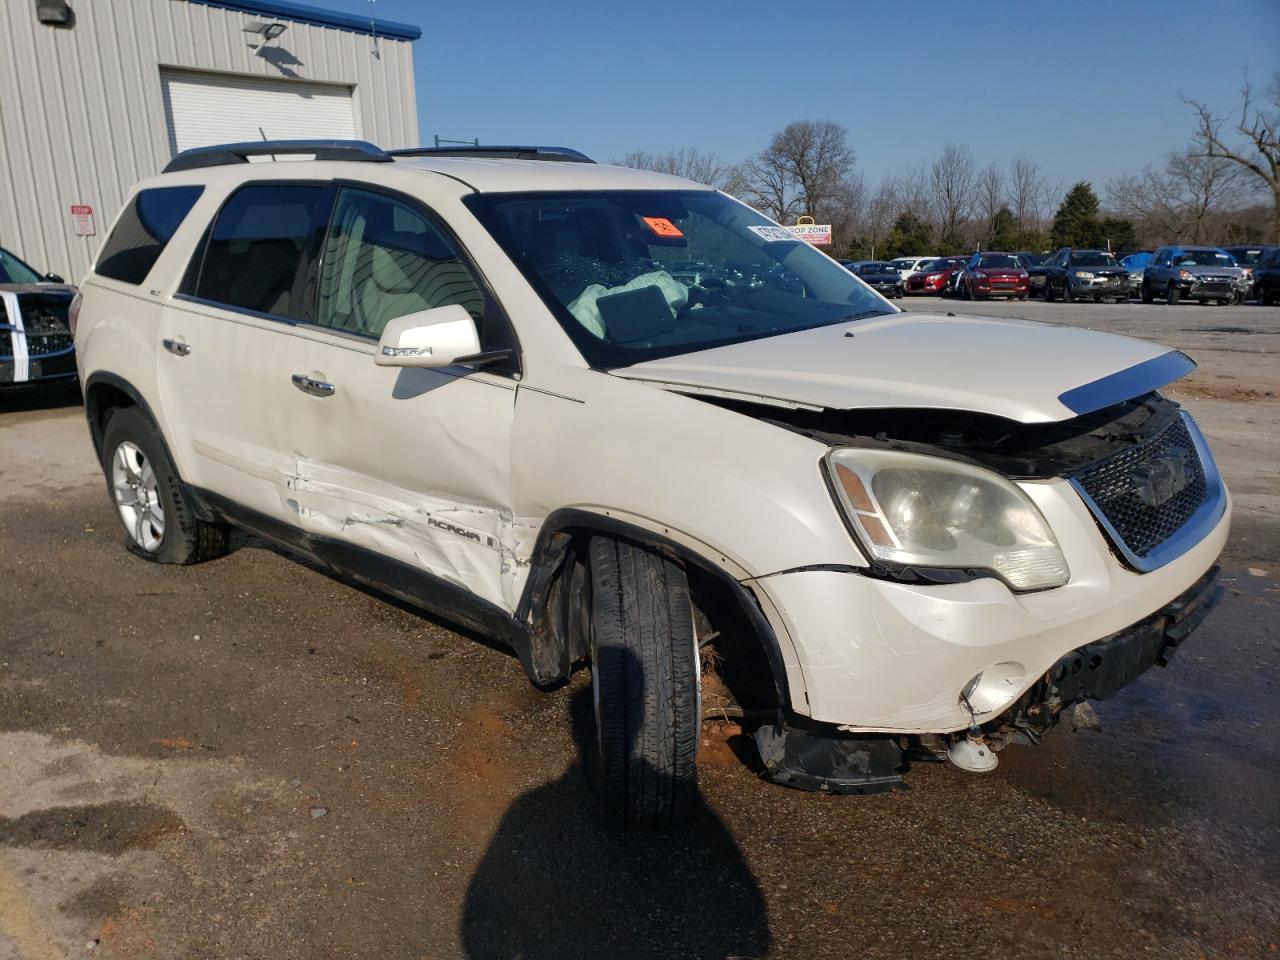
1172	295
646	687
157	514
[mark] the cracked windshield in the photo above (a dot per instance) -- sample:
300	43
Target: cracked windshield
639	275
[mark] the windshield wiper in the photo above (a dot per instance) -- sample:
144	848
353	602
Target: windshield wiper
863	315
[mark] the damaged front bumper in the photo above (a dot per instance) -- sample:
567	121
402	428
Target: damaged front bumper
820	757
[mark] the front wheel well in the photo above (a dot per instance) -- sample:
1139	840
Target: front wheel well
102	398
739	647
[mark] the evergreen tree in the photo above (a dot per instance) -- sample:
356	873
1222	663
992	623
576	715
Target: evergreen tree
1004	231
909	236
1076	222
1119	233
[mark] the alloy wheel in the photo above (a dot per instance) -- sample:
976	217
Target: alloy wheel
137	496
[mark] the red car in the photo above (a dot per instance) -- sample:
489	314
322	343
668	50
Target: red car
994	275
934	275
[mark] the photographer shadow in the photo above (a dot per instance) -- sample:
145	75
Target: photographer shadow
555	884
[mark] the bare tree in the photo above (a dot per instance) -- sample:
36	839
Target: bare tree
990	198
1184	200
911	187
1258	123
807	168
1028	193
704	167
951	180
878	214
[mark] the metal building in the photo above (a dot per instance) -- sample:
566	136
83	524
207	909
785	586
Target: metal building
97	94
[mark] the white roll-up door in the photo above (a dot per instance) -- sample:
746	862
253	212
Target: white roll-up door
205	108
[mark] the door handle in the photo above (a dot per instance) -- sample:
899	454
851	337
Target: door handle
317	388
177	347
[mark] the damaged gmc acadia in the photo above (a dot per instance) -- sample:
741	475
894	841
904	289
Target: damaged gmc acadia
487	381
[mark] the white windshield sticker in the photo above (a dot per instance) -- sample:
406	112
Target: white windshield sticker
772	233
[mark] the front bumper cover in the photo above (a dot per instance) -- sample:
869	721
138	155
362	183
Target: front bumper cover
819	757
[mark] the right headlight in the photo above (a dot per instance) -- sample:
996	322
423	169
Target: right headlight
909	509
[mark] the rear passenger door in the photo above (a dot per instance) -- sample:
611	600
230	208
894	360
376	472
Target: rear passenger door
228	344
405	464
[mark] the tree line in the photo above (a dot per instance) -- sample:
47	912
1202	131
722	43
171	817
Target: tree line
1222	187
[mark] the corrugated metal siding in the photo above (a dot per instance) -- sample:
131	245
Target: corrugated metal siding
82	113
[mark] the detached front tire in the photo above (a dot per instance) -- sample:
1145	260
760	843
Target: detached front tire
158	517
645	679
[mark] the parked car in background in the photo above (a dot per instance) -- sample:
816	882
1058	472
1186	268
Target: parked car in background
993	275
1193	273
1266	278
1085	275
906	266
880	276
1247	259
35	338
1136	263
934	275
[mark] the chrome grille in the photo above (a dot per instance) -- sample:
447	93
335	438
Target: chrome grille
1150	491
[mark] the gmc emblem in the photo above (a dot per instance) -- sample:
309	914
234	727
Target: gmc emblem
1159	481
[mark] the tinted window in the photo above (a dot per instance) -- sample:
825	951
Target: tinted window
143	231
254	248
383	259
13	270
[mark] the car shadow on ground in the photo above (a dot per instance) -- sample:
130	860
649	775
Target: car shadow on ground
553	883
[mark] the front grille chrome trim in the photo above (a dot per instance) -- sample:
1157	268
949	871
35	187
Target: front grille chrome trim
1197	527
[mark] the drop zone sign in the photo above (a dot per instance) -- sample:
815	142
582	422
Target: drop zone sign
818	234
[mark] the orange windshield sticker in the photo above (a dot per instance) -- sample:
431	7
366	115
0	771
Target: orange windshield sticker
662	226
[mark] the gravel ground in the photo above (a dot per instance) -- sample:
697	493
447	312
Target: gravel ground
252	759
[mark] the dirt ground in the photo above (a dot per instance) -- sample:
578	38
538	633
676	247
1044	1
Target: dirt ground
251	759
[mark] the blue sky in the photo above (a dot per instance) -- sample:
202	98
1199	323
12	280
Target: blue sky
1088	89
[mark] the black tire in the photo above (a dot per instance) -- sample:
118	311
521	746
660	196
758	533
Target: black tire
1048	290
1172	295
186	538
645	677
1147	295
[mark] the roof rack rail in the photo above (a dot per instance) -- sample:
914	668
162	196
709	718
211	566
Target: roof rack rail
223	154
561	154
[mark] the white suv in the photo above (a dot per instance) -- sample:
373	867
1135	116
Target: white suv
615	417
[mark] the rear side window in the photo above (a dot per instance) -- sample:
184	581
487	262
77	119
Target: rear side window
254	247
144	229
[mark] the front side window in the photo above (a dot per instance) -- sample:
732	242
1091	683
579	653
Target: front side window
144	229
13	270
253	250
635	275
384	259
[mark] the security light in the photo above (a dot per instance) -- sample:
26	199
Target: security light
265	31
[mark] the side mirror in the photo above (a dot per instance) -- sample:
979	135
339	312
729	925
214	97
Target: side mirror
53	278
429	338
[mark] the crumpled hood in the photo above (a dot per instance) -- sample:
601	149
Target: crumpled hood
1016	369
